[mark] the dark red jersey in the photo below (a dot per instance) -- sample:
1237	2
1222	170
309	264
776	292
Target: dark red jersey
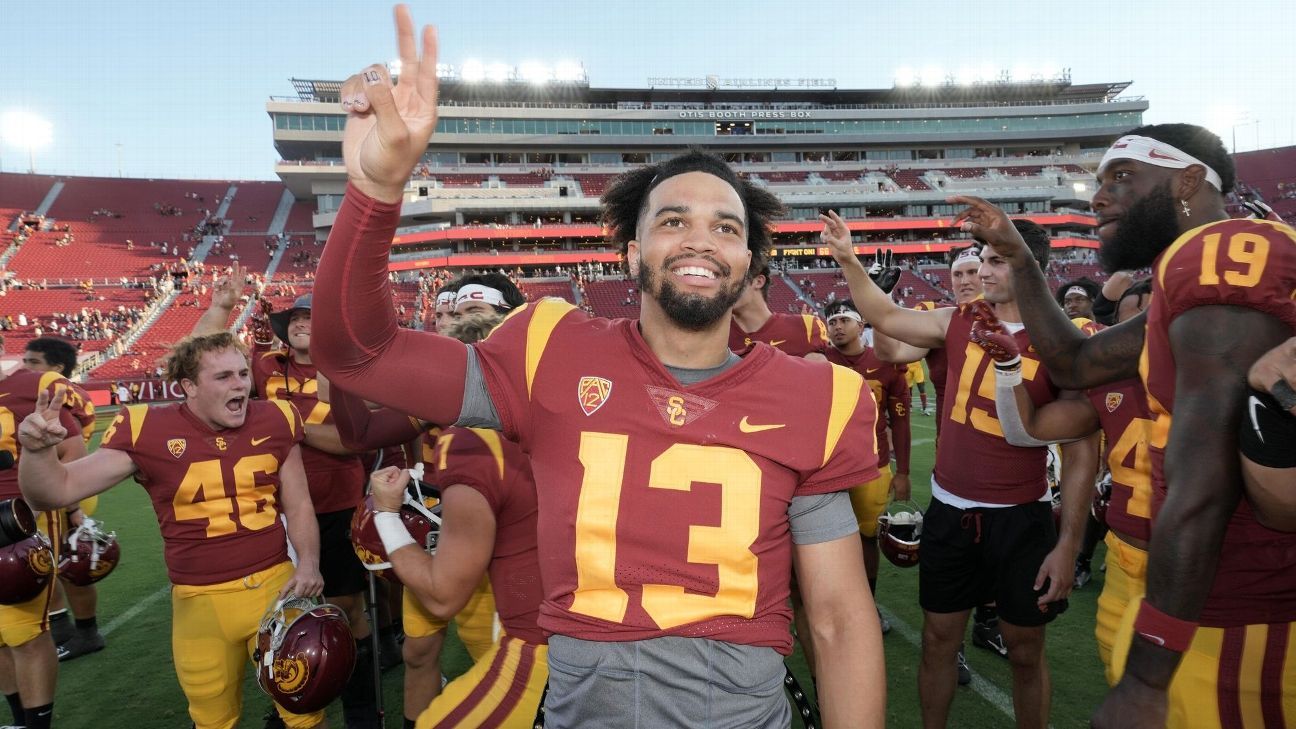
1237	262
974	461
890	394
336	482
18	393
1123	413
937	364
795	334
499	470
663	507
215	492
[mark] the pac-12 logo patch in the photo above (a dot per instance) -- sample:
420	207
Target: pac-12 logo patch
1114	400
592	392
177	446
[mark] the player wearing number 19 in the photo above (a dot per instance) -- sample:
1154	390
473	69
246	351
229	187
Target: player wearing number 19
677	481
220	469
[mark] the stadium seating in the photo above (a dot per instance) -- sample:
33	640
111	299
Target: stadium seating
540	288
22	193
607	298
1272	174
40	306
254	206
300	218
910	180
174	324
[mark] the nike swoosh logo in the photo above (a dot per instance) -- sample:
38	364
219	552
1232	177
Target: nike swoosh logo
1154	638
1252	403
871	370
259	441
777	342
1157	155
747	427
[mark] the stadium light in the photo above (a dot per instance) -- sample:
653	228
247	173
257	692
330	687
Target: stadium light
536	73
498	72
569	71
932	76
445	70
905	77
966	77
25	129
472	71
1020	74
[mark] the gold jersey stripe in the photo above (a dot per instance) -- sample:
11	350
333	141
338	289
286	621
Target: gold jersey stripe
547	314
137	413
285	408
846	385
492	441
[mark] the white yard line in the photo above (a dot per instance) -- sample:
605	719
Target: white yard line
135	609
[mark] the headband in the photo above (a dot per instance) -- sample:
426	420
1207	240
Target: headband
485	294
967	254
1077	290
848	313
445	298
1158	153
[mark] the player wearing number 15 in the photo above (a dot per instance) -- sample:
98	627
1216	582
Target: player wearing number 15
677	481
220	469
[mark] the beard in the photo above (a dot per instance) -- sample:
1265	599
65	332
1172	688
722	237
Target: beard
1146	229
690	311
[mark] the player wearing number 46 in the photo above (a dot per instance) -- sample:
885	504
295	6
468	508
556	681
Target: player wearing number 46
988	535
220	469
1211	641
678	481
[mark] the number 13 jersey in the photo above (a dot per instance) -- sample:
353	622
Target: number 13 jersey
663	507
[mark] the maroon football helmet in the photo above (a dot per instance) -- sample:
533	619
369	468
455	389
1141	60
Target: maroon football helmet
305	654
1102	497
423	523
900	532
88	554
26	567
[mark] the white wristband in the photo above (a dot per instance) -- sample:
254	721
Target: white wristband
1010	376
392	531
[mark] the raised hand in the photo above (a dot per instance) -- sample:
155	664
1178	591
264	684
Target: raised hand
990	224
42	428
884	272
836	235
262	333
988	333
227	290
388	125
387	485
1275	373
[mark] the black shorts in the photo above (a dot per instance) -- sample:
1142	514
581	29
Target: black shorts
978	556
341	568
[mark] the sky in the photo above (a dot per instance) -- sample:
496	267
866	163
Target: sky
178	89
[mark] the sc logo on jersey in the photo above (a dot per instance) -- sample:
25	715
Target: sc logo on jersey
676	411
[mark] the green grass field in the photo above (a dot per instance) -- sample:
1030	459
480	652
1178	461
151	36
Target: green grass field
131	684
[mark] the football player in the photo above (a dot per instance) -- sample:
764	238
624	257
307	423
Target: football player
444	310
488	512
1268	438
1221	588
796	334
220	470
1077	298
680	480
486	299
51	354
988	534
887	383
28	657
1120	411
334	472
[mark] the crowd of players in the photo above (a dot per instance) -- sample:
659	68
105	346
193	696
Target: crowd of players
647	506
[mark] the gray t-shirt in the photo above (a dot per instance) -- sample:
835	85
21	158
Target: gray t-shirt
812	519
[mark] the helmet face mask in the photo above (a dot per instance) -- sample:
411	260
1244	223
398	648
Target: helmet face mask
305	654
26	568
88	554
900	533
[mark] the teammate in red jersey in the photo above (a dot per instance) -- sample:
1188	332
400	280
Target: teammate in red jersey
334	472
52	354
220	470
680	480
1221	588
891	394
796	334
488	512
28	658
988	534
1268	438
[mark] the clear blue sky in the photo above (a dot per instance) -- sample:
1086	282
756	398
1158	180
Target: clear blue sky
182	86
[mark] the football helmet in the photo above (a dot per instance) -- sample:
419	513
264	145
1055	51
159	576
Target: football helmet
88	554
899	533
422	522
305	653
1102	497
17	521
26	567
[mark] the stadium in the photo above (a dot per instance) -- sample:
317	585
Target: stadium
511	183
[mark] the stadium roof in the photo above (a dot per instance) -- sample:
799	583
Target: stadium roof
462	93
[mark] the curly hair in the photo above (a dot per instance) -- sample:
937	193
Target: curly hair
183	361
626	200
1200	142
57	352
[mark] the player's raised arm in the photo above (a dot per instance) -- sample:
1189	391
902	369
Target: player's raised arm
226	293
1074	360
918	328
356	340
48	483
